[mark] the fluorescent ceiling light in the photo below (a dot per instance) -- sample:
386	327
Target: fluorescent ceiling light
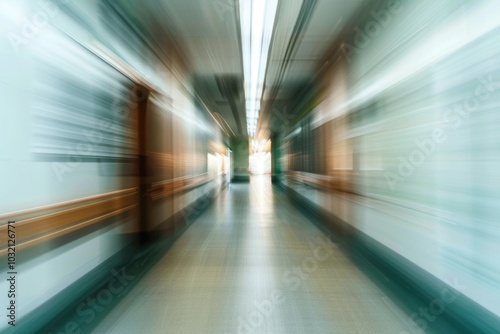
257	22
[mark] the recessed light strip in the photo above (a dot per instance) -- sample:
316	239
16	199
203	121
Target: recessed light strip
257	21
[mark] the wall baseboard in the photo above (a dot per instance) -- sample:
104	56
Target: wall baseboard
60	313
409	286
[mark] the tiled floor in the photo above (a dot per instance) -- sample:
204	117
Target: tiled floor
253	264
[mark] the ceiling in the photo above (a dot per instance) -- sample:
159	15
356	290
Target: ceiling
209	33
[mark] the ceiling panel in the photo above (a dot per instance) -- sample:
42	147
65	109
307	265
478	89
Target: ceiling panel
210	33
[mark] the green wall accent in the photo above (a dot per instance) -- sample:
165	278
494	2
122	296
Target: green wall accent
241	154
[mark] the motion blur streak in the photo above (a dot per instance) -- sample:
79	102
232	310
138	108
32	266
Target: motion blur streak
82	167
407	125
122	121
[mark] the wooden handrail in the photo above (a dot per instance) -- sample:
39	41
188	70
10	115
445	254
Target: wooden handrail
40	224
324	182
167	188
23	213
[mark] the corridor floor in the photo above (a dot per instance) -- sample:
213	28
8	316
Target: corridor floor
252	263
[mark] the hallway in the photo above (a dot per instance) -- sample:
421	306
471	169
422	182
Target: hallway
252	263
376	124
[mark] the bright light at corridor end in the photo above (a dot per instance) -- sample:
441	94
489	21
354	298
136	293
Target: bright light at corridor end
257	21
